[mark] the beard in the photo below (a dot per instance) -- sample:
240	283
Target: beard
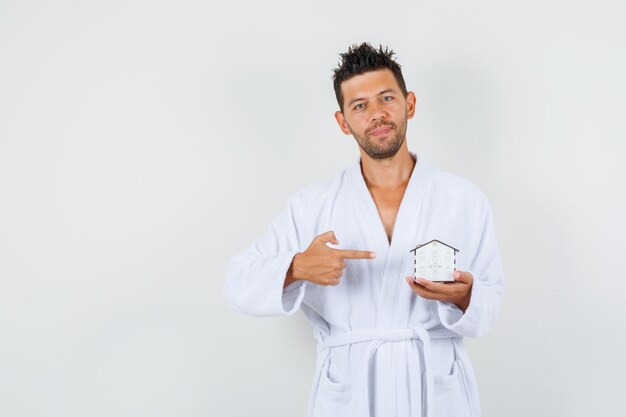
374	149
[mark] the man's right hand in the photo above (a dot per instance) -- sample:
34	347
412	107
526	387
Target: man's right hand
320	264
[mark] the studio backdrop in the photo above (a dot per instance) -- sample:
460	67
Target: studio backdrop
145	143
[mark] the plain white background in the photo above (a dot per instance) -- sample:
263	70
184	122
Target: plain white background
144	143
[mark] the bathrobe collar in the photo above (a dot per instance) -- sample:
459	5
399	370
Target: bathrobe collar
390	258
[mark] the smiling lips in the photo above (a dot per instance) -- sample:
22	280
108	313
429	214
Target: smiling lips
381	130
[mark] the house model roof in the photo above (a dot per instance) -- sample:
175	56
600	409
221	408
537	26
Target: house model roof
431	241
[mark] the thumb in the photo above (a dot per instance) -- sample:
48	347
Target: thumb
462	276
328	236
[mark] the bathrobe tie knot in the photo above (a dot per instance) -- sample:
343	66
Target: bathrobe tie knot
376	338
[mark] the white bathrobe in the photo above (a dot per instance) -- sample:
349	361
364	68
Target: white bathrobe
382	350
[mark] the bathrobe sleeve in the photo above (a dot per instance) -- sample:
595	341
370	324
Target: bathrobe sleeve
486	268
256	277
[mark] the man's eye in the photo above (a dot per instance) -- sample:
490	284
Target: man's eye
387	98
359	106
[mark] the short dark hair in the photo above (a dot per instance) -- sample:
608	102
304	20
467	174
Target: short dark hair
361	59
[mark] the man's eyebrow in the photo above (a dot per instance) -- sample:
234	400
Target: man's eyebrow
355	100
388	90
385	91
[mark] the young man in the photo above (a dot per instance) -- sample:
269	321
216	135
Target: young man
387	346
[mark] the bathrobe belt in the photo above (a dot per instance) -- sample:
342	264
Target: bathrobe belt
376	338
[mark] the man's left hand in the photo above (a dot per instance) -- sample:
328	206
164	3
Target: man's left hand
458	292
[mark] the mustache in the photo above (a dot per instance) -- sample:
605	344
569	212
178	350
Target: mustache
379	125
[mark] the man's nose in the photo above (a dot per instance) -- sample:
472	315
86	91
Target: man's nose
376	112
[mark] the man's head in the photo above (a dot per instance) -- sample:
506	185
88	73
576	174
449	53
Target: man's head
373	99
361	59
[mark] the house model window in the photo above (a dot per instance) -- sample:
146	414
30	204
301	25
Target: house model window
435	261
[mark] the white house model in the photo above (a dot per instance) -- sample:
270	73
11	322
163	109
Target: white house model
435	261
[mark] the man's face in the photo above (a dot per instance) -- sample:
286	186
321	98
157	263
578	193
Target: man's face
375	112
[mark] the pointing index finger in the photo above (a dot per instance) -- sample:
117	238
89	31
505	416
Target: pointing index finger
356	254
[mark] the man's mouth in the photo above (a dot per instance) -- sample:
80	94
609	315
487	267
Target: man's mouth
381	131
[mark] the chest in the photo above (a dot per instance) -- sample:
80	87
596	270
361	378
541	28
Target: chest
388	203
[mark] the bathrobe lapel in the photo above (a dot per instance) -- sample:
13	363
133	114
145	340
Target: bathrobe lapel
391	260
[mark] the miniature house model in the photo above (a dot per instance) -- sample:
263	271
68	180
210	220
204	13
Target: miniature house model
435	261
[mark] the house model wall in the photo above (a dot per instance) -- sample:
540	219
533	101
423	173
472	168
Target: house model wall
435	261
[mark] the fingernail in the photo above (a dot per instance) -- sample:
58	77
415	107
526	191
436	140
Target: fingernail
373	254
456	274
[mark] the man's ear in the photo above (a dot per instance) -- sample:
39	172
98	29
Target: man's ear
410	104
343	125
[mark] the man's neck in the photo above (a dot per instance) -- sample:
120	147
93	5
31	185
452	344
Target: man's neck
388	173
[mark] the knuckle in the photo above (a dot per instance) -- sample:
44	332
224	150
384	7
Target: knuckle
331	280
